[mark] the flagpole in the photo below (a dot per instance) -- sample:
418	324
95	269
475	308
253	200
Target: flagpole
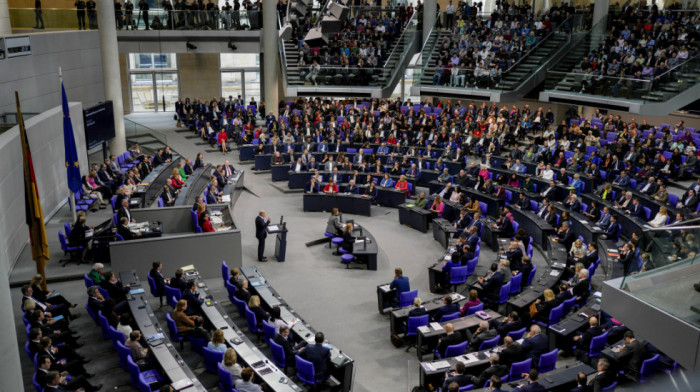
37	235
72	195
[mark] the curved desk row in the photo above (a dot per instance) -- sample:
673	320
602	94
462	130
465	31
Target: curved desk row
345	202
341	365
196	183
154	182
169	361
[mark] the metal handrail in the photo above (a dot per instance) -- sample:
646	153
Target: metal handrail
529	52
408	24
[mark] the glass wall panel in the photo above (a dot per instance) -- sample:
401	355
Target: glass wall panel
252	86
231	84
167	88
152	61
240	60
142	92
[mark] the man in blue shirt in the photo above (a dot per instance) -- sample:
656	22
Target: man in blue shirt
400	284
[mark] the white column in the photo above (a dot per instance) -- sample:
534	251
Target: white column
271	66
600	13
110	71
429	10
5	26
10	371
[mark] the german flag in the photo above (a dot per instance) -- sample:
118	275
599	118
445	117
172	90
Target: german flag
32	205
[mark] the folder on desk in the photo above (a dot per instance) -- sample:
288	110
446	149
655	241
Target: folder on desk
424	329
436	326
182	384
188	267
136	291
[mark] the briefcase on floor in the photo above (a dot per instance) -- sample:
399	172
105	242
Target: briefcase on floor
396	340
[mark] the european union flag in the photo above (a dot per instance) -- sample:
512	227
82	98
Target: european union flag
72	165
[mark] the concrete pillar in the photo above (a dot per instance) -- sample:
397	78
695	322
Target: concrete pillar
600	14
270	58
5	26
110	71
11	370
429	10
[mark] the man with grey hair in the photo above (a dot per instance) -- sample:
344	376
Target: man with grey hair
535	344
261	233
481	334
495	369
582	288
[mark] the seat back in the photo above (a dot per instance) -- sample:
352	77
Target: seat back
211	359
37	387
555	314
198	345
225	271
225	378
123	353
490	343
475	308
268	331
172	295
646	373
517	334
414	323
610	387
471	265
518	368
598	344
458	275
251	321
406	298
152	285
133	369
172	327
567	306
647	213
532	275
88	282
305	370
483	208
240	305
516	226
62	240
116	336
278	354
456	349
548	361
515	283
449	317
66	227
231	289
505	293
160	202
104	325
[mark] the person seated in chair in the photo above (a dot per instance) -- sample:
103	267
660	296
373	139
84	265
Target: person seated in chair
495	369
448	308
400	284
124	231
481	334
532	385
450	339
457	376
290	350
318	354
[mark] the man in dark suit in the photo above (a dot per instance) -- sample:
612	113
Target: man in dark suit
532	385
515	257
508	324
124	211
450	339
513	352
491	287
632	355
158	277
613	229
317	354
53	380
178	281
523	203
448	308
352	188
123	230
211	196
290	351
591	257
481	334
28	291
583	340
194	300
564	293
648	187
242	293
167	195
565	236
228	170
456	376
495	369
114	287
261	233
603	378
535	344
473	236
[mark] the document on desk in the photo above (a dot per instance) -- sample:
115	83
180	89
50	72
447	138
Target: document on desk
441	365
424	329
225	198
554	273
467	359
436	326
273	228
216	220
179	385
385	288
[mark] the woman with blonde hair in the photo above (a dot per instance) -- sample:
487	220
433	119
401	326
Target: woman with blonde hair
661	217
543	308
218	341
47	296
578	250
260	313
230	364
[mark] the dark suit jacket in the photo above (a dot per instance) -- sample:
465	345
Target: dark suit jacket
123	213
260	227
601	381
635	210
492	287
446	309
530	387
211	199
476	340
115	291
585	341
180	284
95	305
461	379
536	346
632	356
194	303
126	233
289	351
449	340
513	353
160	281
318	355
493	370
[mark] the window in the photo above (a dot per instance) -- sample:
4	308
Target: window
143	61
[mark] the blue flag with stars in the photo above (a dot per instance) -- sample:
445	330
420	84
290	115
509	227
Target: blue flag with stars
72	165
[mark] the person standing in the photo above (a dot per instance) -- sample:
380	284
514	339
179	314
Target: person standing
37	15
80	6
261	233
129	13
118	15
91	6
143	7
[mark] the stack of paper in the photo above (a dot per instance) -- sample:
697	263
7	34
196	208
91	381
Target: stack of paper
436	326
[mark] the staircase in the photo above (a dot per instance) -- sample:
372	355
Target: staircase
560	77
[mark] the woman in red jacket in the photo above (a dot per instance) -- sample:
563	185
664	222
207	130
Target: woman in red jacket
205	223
222	137
402	185
177	180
